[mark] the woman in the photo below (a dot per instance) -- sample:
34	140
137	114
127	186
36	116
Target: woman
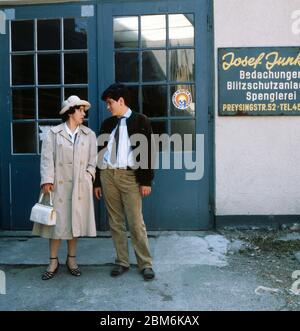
68	161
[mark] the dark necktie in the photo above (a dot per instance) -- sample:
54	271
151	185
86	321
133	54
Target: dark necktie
74	138
115	146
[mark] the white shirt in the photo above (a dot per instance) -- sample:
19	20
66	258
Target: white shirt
71	134
125	156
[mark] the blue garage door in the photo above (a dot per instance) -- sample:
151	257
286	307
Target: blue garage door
46	55
161	50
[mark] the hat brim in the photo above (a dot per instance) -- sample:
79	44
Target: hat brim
84	103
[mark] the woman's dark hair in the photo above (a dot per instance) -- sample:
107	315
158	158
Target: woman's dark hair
71	110
65	116
115	92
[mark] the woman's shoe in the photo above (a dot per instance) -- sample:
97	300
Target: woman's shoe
73	271
50	274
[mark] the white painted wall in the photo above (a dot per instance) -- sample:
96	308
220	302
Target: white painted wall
257	158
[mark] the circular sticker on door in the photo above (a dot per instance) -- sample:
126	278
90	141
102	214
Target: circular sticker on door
182	99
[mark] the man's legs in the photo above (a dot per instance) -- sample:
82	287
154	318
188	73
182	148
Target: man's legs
115	209
132	203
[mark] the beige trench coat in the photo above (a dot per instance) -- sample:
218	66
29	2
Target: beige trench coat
72	170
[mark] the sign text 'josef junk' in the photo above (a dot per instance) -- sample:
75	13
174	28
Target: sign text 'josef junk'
259	81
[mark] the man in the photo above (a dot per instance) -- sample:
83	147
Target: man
123	187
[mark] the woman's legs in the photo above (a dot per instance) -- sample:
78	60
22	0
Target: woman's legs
53	248
71	259
72	245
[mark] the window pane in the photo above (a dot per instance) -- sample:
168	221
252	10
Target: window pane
24	138
160	127
22	70
126	32
154	101
154	66
182	100
49	103
76	68
48	34
23	104
153	30
126	67
182	65
81	92
49	68
75	33
22	36
133	103
181	30
187	128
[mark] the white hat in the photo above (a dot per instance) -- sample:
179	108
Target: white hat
72	101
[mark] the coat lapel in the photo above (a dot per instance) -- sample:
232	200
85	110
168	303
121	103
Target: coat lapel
60	129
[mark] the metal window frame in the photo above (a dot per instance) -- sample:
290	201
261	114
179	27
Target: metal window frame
36	86
167	83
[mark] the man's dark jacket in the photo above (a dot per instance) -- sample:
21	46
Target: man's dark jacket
136	123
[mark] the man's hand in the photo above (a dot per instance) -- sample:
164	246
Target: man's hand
145	190
46	188
98	192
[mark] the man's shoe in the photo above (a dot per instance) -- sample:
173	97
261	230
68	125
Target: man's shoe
118	270
148	273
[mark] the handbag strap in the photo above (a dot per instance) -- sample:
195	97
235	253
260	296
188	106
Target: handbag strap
42	195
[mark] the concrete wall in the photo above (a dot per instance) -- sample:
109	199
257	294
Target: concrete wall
257	158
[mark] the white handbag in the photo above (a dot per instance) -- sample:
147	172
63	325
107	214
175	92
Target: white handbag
43	214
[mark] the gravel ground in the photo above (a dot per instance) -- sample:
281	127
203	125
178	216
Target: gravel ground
274	260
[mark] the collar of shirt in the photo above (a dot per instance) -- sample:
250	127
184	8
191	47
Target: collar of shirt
70	133
127	114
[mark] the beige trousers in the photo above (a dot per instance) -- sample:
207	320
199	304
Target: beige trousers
123	200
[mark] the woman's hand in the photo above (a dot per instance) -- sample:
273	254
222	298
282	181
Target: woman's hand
46	188
98	192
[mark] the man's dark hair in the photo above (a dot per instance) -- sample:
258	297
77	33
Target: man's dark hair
115	92
71	110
